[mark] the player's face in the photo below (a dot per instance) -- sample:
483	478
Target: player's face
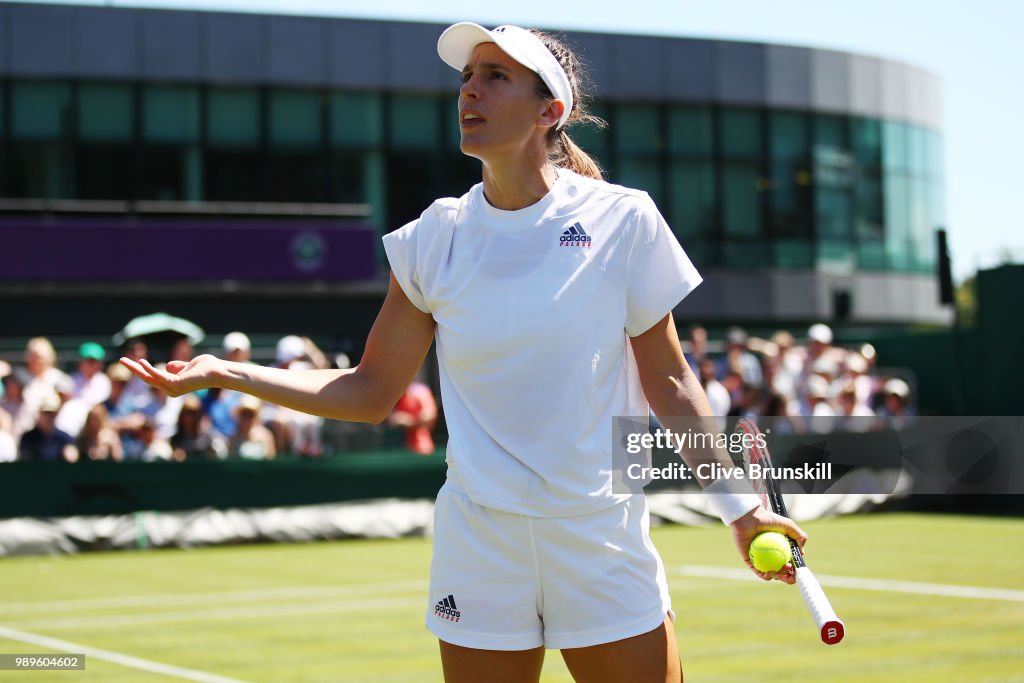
500	112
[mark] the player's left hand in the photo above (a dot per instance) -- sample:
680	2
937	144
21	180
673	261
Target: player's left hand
757	521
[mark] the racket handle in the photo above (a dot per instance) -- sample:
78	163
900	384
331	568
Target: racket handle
829	625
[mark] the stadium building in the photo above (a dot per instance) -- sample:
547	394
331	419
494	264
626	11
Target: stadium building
240	168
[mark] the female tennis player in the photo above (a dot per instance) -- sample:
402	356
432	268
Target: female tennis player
549	293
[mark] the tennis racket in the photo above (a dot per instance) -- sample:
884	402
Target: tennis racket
829	625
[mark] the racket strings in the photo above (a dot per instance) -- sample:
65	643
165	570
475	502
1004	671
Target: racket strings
766	486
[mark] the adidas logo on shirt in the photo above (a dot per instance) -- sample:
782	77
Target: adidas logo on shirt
445	609
575	236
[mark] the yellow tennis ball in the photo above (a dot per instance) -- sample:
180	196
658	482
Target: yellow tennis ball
769	552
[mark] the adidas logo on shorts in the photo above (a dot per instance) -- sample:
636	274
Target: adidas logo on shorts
446	609
575	236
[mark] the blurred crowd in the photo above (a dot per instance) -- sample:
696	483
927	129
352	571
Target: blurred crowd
103	412
813	385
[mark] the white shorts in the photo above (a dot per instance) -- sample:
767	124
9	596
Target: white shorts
501	581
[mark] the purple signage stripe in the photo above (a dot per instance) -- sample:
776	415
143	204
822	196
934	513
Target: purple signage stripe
158	249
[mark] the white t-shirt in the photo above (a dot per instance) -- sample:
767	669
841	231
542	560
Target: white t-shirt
533	308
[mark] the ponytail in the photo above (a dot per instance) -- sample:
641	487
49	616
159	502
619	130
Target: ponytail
562	151
570	156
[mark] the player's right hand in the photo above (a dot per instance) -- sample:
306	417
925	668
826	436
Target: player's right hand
202	372
759	520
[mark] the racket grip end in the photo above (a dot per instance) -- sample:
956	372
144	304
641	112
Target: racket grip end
832	632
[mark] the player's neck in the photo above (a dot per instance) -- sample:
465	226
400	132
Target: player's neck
517	184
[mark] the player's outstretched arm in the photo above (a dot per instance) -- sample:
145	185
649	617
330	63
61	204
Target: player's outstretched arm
395	349
673	392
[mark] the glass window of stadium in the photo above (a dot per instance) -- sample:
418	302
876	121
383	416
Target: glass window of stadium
356	119
105	155
866	138
638	143
357	169
297	167
790	193
868	219
233	159
935	167
922	241
869	223
897	221
894	146
171	166
834	173
691	181
41	129
741	141
415	160
637	129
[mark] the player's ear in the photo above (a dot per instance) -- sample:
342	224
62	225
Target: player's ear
552	113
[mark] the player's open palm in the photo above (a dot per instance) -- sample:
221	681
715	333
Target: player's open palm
759	520
179	377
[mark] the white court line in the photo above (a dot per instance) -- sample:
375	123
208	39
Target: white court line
939	589
179	599
222	614
114	657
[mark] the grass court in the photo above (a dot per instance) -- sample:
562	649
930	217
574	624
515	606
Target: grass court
924	597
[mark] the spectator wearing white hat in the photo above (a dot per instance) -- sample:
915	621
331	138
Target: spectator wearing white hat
219	404
789	364
294	431
896	403
821	334
237	347
857	375
819	348
820	412
819	345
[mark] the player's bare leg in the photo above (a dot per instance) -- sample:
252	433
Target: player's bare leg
469	665
651	657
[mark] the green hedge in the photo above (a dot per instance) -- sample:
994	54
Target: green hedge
98	488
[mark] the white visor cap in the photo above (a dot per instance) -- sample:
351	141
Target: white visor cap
458	40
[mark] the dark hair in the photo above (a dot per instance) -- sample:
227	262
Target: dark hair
562	151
